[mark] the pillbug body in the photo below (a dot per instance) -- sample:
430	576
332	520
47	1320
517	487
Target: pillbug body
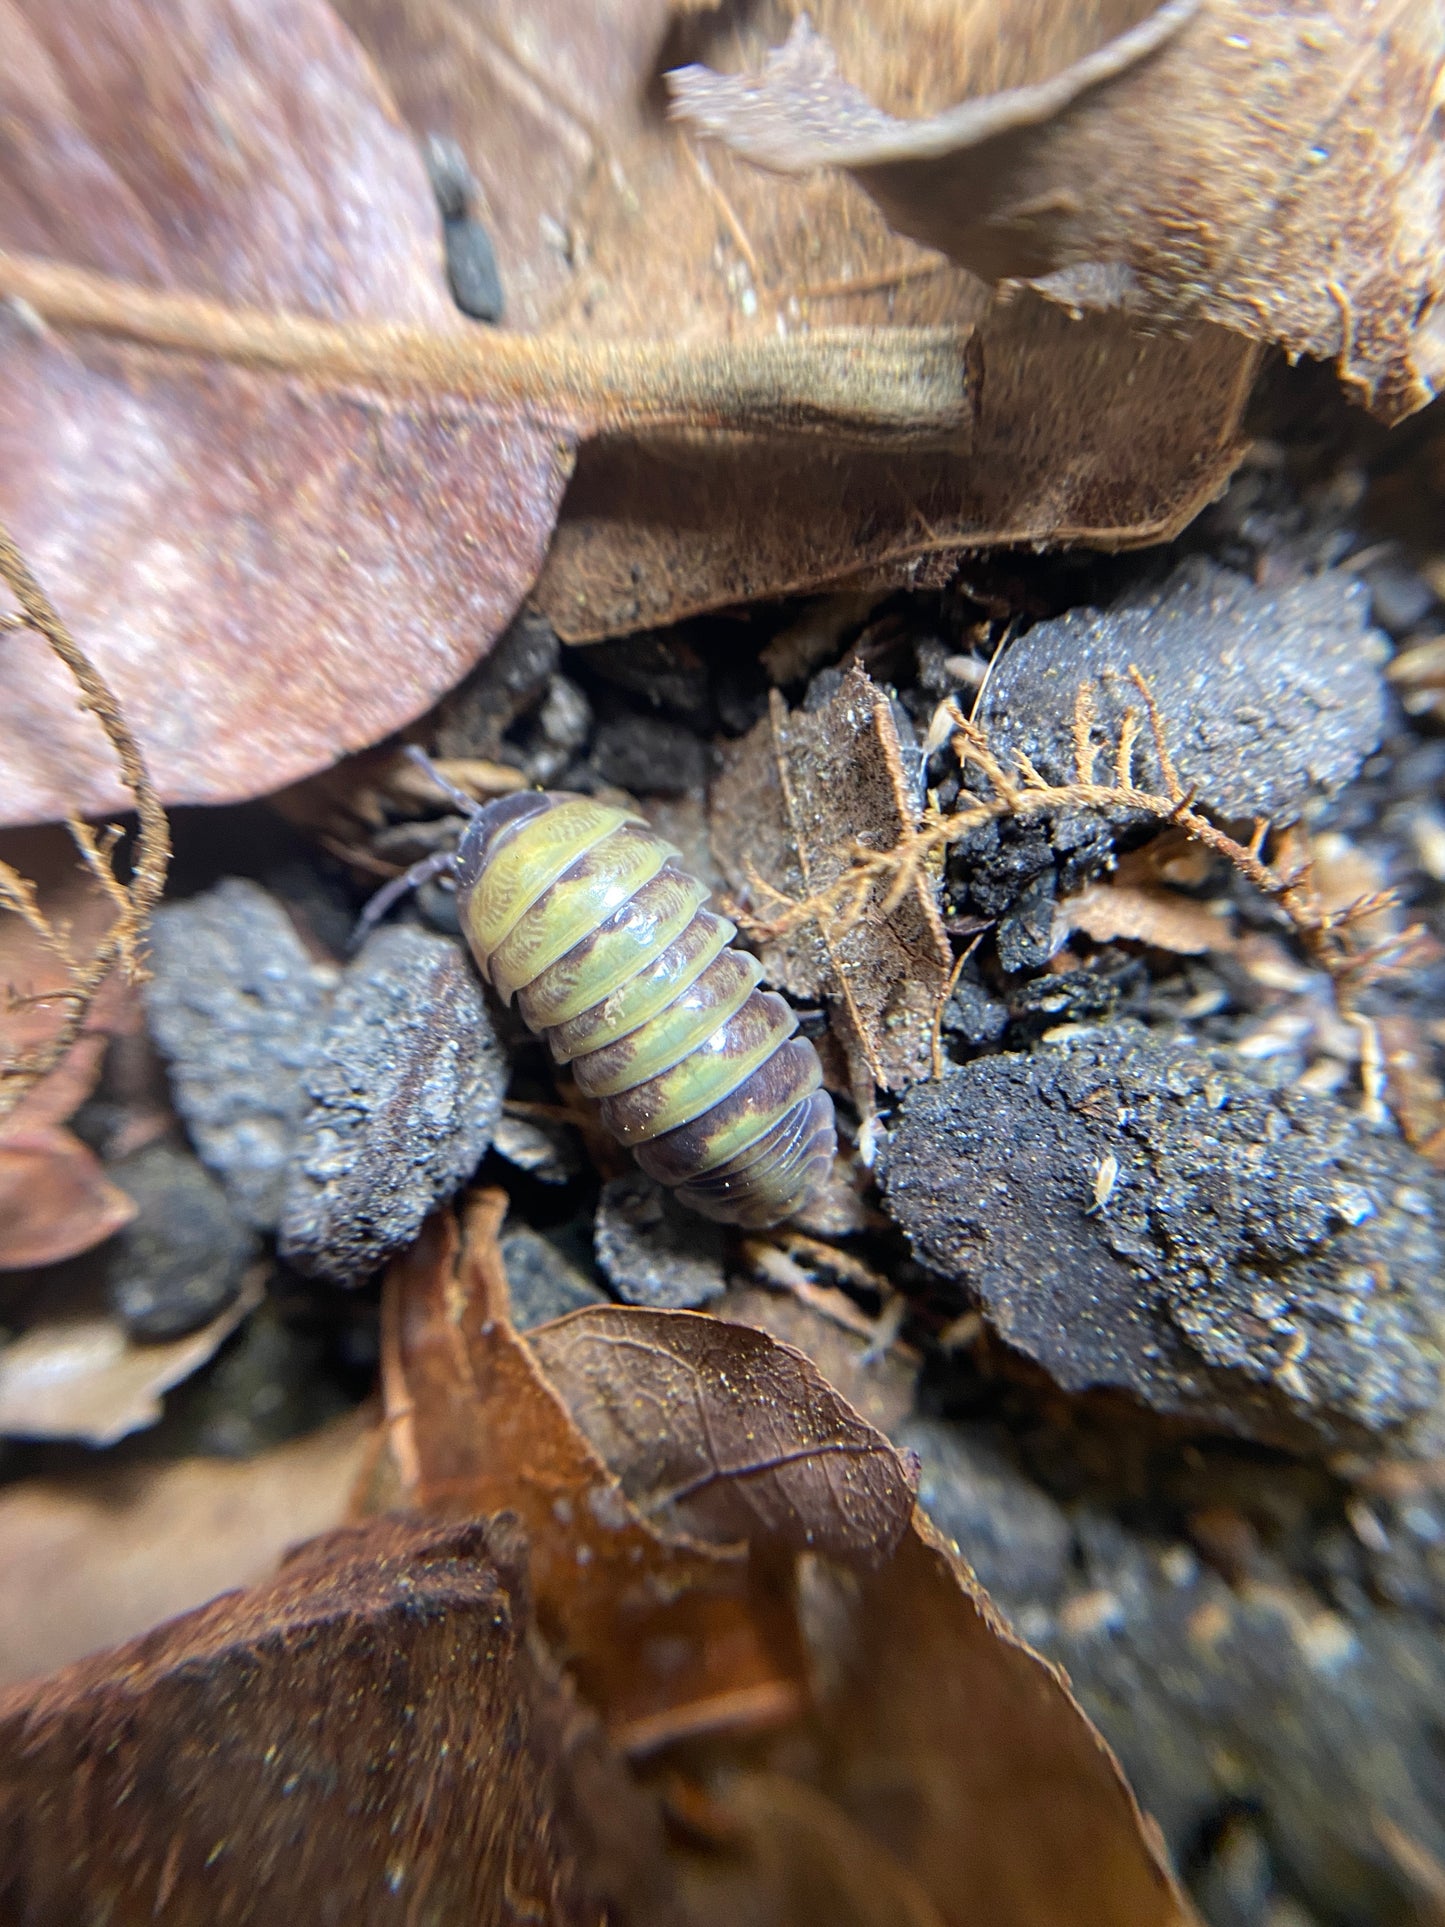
585	915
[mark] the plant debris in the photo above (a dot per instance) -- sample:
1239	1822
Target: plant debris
582	178
93	1558
777	824
1242	162
79	1376
1258	1259
405	1088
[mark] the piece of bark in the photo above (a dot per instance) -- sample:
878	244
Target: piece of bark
1261	165
370	1734
793	798
267	571
609	224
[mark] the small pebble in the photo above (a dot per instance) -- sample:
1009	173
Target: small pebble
182	1258
652	1251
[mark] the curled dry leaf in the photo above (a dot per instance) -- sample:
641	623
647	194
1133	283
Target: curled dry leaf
1143	912
89	1560
81	1377
269	570
1275	168
796	798
963	1754
55	1198
370	1736
666	1635
718	1430
1095	432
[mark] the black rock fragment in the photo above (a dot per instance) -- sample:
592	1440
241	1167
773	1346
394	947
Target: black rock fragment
509	682
471	261
1142	1215
1270	696
649	756
182	1257
405	1087
544	1284
652	1251
235	1004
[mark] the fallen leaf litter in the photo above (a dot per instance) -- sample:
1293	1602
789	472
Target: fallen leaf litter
1106	889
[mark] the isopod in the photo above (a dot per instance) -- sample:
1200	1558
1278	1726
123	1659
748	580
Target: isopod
587	917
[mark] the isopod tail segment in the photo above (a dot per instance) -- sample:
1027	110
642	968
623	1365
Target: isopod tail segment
584	915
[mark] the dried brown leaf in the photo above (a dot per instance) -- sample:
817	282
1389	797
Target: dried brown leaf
1145	913
794	798
1263	166
719	1431
1076	432
796	1858
665	1634
90	1560
55	1199
371	1736
83	1378
963	1754
269	570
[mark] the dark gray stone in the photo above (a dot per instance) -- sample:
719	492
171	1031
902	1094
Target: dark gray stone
405	1087
652	1250
1270	696
235	1006
181	1259
544	1284
1261	1261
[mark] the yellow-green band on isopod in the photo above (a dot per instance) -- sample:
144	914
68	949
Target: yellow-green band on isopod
650	990
584	895
674	1033
528	862
607	958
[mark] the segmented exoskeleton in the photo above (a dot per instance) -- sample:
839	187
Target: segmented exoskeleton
585	915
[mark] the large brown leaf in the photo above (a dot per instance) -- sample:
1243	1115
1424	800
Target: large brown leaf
371	1736
1079	431
666	1634
1274	167
269	571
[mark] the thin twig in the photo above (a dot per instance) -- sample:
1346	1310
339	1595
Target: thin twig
133	902
1332	938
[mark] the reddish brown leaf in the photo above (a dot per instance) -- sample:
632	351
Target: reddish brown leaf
55	1199
717	1429
963	1754
794	796
1247	162
88	1561
666	1635
268	572
370	1737
1079	432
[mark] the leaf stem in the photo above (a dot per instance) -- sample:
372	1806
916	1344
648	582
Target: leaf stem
894	386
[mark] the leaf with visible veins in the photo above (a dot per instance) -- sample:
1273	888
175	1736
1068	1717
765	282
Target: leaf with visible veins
268	570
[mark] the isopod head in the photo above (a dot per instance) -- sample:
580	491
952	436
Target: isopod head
587	917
